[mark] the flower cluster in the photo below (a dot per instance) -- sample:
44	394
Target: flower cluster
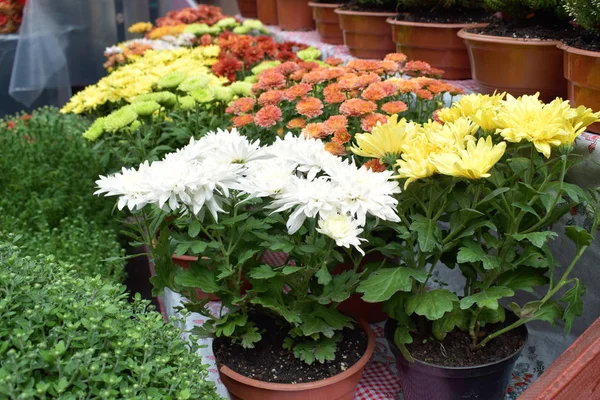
468	139
11	15
330	102
294	174
202	14
139	77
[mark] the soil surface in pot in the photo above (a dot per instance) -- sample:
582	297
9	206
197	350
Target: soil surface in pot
443	16
585	41
270	362
354	5
455	350
533	28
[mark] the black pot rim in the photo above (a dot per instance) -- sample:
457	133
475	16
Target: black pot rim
391	324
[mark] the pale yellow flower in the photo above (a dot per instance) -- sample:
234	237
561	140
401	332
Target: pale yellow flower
140	27
480	108
384	140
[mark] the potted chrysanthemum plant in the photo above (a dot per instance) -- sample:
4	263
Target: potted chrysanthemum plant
482	189
238	200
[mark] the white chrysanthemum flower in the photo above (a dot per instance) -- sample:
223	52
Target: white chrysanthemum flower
130	185
308	198
112	50
266	178
308	154
363	192
343	229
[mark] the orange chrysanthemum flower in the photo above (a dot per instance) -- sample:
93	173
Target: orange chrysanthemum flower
267	116
333	61
299	90
335	148
367	79
296	123
417	67
337	123
270	79
287	68
424	94
342	136
334	72
241	106
396	57
368	122
241	120
298	74
310	107
309	65
407	86
356	107
315	76
394	107
271	97
374	92
389	66
436	72
316	130
375	165
348	82
335	98
364	65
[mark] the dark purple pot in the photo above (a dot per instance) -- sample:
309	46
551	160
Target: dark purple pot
420	380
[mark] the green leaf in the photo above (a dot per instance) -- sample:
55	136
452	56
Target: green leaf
262	272
428	233
199	246
486	298
272	303
579	236
523	278
340	288
402	335
473	252
549	312
194	228
234	220
381	285
456	318
494	194
527	208
246	255
201	278
538	239
322	350
432	305
182	248
519	164
531	257
489	316
394	308
323	276
574	304
290	269
575	192
250	336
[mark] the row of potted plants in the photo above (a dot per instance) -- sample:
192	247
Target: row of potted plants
474	191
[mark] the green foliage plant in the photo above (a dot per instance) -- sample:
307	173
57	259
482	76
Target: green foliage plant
71	337
522	10
586	13
439	5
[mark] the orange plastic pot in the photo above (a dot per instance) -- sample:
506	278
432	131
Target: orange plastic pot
338	387
437	44
366	34
327	21
295	15
267	11
184	262
248	8
582	71
516	66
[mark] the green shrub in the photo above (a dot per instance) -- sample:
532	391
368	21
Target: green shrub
521	9
433	5
71	338
586	13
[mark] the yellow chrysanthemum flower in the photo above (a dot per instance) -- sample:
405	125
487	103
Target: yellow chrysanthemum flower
385	141
140	27
415	166
452	134
480	108
473	162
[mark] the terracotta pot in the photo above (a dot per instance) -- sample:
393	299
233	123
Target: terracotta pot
582	71
366	34
267	11
517	66
248	8
436	44
184	262
420	380
574	375
338	387
295	15
328	24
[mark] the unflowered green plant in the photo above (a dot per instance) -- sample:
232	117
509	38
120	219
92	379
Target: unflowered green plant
520	10
482	189
436	5
585	13
64	336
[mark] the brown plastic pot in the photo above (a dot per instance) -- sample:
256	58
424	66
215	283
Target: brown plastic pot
184	262
338	387
248	8
516	66
582	72
267	11
436	44
327	21
295	15
366	34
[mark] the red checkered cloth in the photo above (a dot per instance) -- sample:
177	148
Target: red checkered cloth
378	382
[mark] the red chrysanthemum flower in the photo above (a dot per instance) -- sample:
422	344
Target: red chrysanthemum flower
241	106
310	107
3	19
316	130
369	121
227	67
375	165
394	107
335	148
356	107
271	97
286	56
267	116
296	123
206	39
299	90
241	120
